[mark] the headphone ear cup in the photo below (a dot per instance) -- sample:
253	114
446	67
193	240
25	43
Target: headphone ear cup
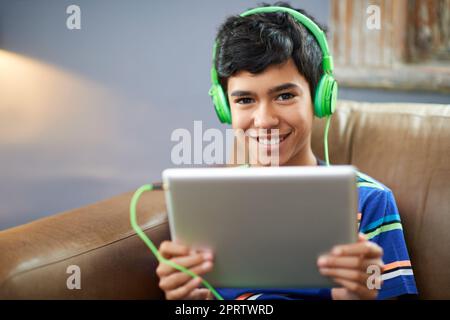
333	96
326	96
220	102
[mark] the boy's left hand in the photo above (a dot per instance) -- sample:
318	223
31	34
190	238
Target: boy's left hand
348	264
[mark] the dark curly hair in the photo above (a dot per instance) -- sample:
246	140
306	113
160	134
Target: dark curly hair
257	41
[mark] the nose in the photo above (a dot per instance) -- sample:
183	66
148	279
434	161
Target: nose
265	117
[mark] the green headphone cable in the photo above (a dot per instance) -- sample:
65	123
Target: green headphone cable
325	140
152	247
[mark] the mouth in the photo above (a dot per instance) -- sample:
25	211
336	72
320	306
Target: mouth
271	140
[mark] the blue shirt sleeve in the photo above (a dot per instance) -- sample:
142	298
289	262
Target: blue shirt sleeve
381	223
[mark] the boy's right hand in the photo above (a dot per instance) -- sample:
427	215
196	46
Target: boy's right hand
176	284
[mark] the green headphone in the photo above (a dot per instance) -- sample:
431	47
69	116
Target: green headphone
326	93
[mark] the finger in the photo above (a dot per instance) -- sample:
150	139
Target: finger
366	248
169	249
347	274
361	237
361	291
349	262
179	279
165	269
210	296
199	294
343	294
331	261
181	292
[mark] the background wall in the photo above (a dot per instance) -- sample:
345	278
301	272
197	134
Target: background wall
87	114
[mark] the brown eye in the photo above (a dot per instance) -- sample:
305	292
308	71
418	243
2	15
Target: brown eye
285	96
244	101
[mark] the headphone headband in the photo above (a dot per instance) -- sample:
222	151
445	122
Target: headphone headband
319	35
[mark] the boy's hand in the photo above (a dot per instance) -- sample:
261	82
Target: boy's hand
176	284
347	265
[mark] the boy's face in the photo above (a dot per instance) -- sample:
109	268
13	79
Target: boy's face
278	98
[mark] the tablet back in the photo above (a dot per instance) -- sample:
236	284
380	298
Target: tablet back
266	226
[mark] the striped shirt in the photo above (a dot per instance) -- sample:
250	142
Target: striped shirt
379	220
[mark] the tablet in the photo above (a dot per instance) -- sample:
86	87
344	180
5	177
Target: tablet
266	225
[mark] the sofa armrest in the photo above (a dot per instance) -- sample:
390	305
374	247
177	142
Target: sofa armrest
113	261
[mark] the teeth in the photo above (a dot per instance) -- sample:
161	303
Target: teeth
272	141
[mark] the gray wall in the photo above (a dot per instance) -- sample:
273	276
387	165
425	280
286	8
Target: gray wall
87	114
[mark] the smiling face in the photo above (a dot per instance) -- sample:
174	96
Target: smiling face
278	101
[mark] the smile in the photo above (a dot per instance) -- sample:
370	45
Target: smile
272	140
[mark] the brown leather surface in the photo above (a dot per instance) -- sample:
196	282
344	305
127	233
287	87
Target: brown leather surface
405	146
114	262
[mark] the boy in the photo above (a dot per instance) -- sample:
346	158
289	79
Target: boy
270	65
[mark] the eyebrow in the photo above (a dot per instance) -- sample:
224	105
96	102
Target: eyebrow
284	86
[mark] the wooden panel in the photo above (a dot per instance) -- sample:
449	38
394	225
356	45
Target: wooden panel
430	35
411	31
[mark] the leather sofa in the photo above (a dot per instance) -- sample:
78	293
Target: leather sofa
406	146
